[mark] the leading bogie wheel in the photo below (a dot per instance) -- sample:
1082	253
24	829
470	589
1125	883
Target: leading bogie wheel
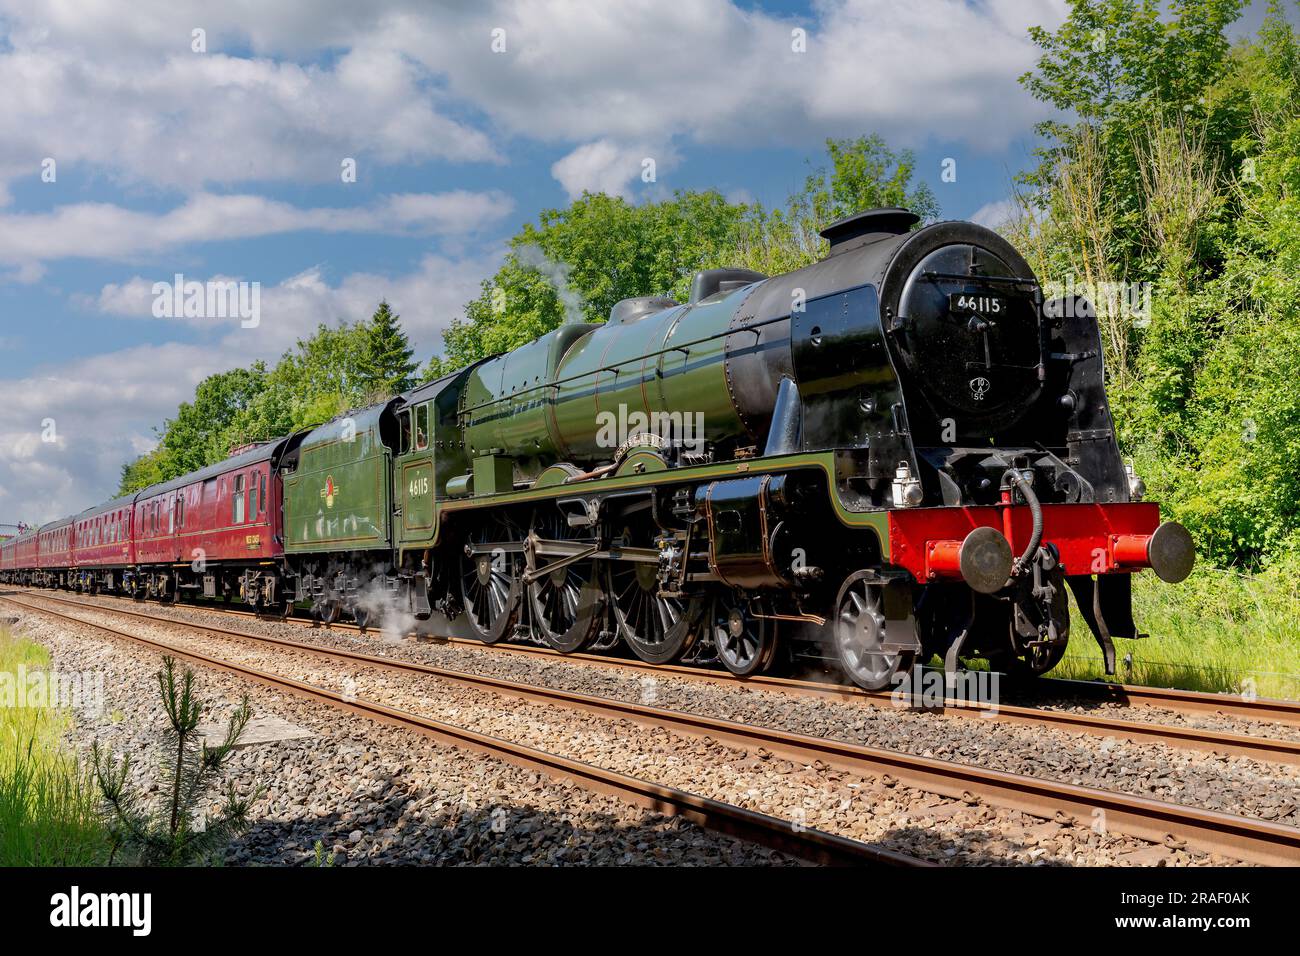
329	612
859	633
746	644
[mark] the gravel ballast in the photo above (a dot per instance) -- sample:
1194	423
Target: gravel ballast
876	810
1230	784
371	793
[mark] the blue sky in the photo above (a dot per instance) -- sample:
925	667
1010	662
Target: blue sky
225	162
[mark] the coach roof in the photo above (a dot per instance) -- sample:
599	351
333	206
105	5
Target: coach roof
254	456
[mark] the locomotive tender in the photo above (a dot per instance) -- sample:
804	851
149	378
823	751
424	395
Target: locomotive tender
901	450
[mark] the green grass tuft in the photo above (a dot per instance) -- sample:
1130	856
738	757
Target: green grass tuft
49	808
1217	631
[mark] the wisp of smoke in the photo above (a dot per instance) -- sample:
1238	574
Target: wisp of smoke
533	257
389	614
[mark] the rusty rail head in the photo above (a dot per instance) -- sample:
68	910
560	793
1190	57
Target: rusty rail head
1267	749
1211	831
815	846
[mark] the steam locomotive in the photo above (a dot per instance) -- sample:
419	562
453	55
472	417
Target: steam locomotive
897	452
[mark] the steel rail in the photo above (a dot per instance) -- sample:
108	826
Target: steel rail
1157	821
812	845
1236	706
1267	749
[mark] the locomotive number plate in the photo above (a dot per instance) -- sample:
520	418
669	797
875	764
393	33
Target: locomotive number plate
978	303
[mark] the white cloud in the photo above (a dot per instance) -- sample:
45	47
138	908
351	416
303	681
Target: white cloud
115	85
103	409
186	120
995	214
106	406
717	73
605	166
107	231
288	90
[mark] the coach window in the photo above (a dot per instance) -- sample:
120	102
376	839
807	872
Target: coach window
262	497
422	427
252	497
237	501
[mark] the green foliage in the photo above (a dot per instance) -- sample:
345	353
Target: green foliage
48	801
1115	62
176	832
577	262
198	434
1181	169
385	361
320	858
1218	631
149	469
864	174
335	369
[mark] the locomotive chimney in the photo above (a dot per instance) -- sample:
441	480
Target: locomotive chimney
868	226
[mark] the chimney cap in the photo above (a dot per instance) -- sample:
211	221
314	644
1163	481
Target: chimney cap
886	221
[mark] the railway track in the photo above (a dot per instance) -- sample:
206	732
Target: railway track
1156	821
1263	709
814	846
1186	702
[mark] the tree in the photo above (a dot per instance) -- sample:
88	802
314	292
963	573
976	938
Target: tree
149	469
313	382
1179	170
864	174
1116	61
385	364
199	434
177	833
575	263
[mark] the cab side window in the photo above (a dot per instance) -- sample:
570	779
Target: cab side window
422	427
405	420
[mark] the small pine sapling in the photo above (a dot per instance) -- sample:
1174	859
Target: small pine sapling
174	833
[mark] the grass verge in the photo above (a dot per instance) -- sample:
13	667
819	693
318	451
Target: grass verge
49	807
1217	631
